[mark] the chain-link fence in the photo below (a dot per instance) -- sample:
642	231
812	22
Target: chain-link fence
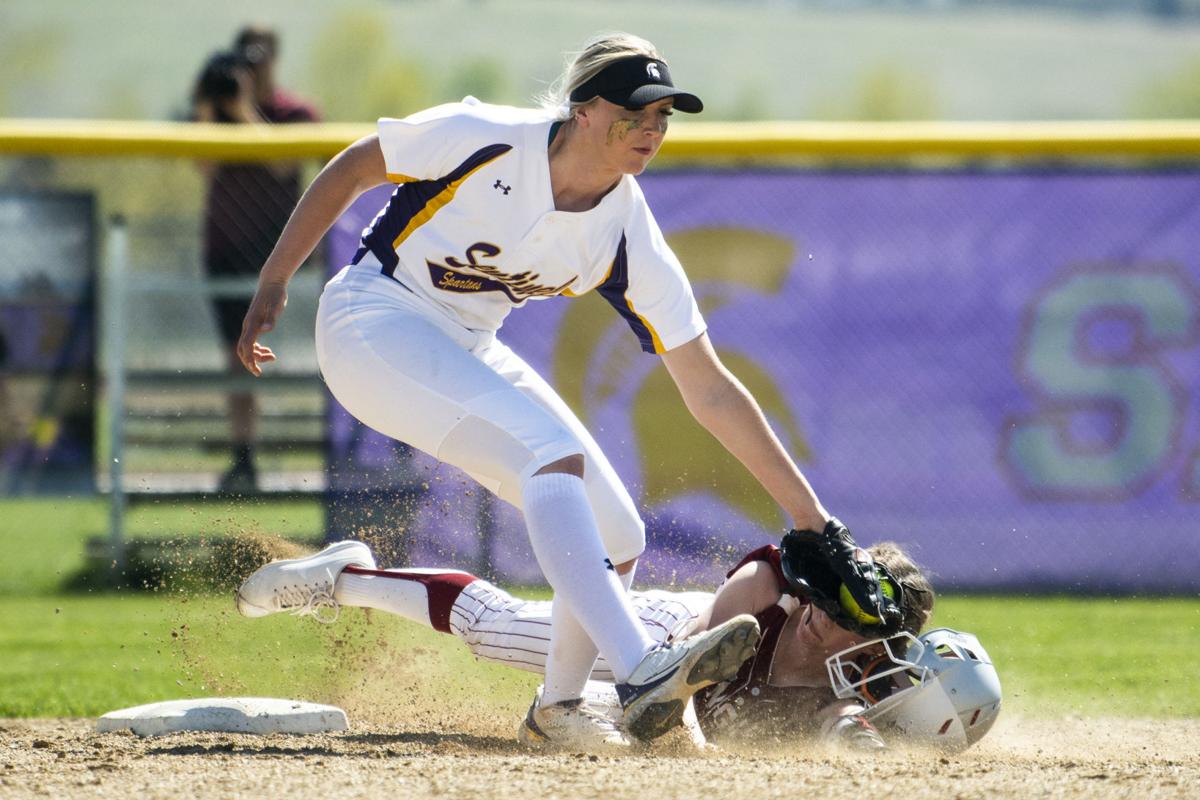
995	365
180	278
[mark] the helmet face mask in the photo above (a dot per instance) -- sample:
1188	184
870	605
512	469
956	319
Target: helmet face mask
940	688
871	676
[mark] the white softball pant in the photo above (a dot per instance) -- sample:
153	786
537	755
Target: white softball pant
404	368
498	627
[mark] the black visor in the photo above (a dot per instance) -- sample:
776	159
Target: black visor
636	82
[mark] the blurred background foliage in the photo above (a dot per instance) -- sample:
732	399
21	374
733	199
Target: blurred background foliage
749	59
1172	95
357	71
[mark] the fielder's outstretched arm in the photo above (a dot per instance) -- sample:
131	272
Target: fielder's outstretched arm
729	412
353	171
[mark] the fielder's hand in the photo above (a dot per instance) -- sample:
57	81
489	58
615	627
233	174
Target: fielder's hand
818	564
268	303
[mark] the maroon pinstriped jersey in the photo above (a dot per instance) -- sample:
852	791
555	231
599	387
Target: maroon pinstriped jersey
747	706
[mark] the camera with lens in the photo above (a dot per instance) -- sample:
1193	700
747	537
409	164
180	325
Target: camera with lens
220	77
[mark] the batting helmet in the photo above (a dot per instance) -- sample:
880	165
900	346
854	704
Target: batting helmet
939	688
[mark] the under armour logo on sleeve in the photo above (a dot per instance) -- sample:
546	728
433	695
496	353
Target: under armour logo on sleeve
501	186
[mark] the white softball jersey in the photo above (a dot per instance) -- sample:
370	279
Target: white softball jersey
472	227
406	335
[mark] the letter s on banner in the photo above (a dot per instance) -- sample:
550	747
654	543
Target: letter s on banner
1131	388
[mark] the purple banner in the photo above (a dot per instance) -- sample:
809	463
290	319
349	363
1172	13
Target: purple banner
999	370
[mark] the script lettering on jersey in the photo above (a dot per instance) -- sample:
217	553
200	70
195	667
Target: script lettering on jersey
483	277
450	282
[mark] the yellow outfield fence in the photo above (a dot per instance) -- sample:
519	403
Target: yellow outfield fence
737	141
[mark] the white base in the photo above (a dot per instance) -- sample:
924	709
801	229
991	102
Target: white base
227	715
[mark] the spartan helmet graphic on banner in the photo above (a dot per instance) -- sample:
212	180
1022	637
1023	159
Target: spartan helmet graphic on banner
729	267
939	688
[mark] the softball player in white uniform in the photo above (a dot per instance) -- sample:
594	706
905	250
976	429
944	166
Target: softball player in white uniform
496	207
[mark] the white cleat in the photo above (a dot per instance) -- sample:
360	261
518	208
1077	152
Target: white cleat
656	694
301	586
571	726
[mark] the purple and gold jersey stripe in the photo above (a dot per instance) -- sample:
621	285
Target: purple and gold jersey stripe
414	203
613	289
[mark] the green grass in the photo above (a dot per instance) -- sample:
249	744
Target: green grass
84	654
43	539
1125	657
81	654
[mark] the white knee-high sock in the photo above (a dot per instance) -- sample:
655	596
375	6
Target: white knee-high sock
566	542
572	655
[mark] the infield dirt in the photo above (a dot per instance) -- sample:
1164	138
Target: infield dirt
1093	758
416	736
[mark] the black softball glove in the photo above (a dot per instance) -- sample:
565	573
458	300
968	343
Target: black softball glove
817	565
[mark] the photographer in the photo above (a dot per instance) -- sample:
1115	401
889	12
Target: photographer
225	91
246	207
